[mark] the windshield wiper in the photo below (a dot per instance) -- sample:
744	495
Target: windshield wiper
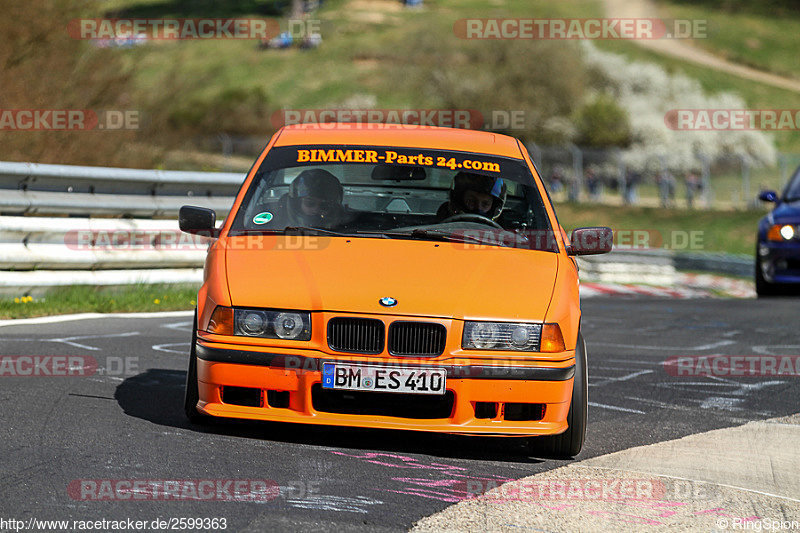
306	230
447	236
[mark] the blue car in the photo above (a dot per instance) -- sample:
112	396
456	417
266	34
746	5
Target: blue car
778	245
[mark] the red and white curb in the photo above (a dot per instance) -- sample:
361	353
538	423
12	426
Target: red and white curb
737	288
685	286
590	290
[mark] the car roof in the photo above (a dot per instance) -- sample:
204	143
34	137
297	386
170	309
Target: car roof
401	136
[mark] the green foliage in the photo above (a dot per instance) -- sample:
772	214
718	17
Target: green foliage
44	68
765	39
496	75
775	8
602	123
237	110
721	231
756	95
201	8
83	299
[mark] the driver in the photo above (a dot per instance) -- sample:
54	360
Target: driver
475	194
315	199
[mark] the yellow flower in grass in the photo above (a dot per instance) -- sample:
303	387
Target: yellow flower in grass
156	301
16	300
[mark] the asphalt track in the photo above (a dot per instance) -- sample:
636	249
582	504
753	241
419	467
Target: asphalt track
117	424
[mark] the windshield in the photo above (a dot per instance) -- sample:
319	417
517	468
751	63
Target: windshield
792	191
380	192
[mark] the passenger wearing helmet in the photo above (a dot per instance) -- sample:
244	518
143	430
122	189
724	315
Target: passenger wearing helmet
475	194
315	199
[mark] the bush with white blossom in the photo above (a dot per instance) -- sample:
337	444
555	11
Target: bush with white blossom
647	93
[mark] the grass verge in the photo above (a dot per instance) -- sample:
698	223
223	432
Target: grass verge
765	40
731	232
92	299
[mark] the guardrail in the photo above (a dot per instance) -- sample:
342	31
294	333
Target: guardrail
34	243
660	267
57	224
38	189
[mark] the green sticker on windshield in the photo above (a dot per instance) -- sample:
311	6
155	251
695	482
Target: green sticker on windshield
262	218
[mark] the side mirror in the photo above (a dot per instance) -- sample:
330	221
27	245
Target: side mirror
590	241
198	221
768	196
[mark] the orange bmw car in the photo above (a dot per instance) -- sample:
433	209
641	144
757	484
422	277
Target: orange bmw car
393	277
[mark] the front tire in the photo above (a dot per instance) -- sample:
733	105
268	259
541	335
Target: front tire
763	287
569	443
191	393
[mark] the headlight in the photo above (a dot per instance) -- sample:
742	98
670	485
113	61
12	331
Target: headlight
501	336
290	325
781	232
252	323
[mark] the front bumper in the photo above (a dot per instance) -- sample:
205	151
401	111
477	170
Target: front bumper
779	262
297	373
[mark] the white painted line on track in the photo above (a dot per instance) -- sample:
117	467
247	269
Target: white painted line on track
164	348
90	316
767	349
675	407
606	381
179	326
615	408
648	363
702	347
71	340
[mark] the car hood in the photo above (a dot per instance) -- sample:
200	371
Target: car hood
436	279
786	213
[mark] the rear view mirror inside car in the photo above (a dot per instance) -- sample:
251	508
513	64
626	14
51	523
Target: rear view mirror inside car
398	173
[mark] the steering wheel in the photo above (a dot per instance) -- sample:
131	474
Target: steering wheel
472	217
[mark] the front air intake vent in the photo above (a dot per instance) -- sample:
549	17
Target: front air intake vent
417	339
356	335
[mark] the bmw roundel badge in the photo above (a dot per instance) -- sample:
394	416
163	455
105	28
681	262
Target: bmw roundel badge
387	301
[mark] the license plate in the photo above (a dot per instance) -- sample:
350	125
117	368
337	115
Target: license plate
383	378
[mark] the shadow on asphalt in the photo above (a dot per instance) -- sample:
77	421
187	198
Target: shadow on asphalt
157	396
